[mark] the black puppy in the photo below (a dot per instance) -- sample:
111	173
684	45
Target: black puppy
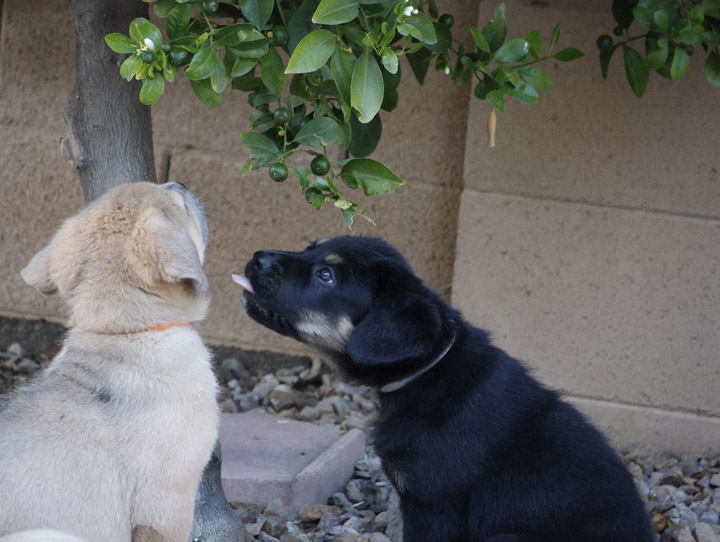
477	449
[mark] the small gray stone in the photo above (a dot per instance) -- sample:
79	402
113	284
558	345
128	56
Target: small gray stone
282	397
309	414
706	533
690	470
715	480
229	406
684	534
710	517
249	401
16	351
27	366
378	537
264	537
275	508
233	369
266	385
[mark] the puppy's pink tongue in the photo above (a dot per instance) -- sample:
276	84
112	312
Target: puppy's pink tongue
244	282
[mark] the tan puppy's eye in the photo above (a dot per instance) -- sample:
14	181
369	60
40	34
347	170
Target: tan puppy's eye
325	275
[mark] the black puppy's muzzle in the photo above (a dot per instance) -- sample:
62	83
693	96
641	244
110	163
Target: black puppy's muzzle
265	271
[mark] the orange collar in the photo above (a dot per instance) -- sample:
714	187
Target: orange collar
161	327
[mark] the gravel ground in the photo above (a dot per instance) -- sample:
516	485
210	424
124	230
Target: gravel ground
682	493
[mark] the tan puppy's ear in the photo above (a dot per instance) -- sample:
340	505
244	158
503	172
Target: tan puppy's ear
165	251
37	272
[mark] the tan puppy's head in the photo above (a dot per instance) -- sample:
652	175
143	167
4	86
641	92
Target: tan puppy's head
129	260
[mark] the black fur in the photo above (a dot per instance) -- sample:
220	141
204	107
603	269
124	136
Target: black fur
477	449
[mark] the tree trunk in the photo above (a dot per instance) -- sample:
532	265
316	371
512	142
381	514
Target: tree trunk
109	143
109	131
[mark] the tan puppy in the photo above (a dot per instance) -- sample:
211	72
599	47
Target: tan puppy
110	442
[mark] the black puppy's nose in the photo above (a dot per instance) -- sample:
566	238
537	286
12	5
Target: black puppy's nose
265	259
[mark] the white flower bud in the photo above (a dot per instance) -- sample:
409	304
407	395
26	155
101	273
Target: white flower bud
415	11
447	70
149	44
408	11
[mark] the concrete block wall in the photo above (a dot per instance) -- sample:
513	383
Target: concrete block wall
589	238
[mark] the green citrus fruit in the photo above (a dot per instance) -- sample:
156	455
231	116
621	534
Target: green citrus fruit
282	115
604	42
210	6
447	19
279	34
148	57
320	165
618	30
278	172
178	57
165	47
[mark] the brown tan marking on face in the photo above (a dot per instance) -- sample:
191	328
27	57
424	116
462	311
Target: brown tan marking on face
333	259
317	329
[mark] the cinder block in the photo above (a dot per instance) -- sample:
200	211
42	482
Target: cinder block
653	428
266	457
603	303
591	139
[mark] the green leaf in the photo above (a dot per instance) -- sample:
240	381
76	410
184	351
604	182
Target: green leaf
317	132
555	36
535	41
130	67
696	15
390	61
443	37
242	66
341	67
712	68
365	137
514	51
218	78
202	65
480	39
177	21
259	145
257	11
569	54
303	175
273	71
418	26
230	34
152	89
656	57
374	177
205	93
496	98
495	32
622	11
661	19
711	8
150	31
605	56
637	73
366	88
299	24
335	11
522	93
163	8
312	52
420	64
315	197
535	78
119	43
680	64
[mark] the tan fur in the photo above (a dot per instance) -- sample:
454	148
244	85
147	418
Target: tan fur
110	442
318	330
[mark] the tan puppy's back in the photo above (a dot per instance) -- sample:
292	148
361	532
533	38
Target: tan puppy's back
110	441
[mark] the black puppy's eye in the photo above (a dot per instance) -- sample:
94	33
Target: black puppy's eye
325	275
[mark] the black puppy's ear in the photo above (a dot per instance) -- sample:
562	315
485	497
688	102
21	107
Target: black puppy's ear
399	327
